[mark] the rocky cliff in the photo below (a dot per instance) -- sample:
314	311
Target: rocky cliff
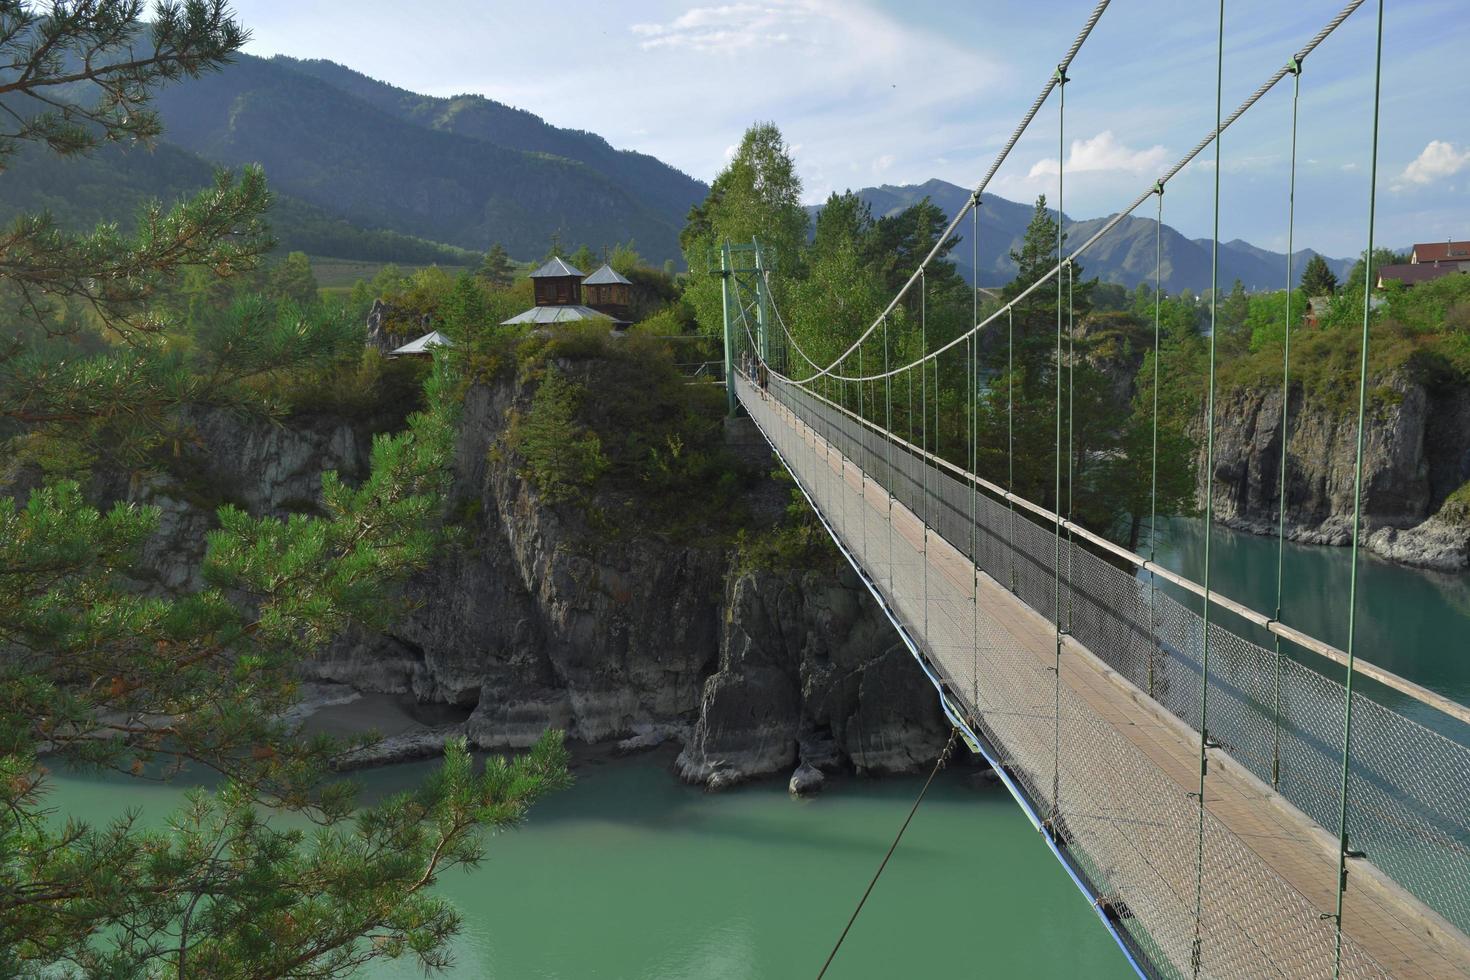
533	617
1416	456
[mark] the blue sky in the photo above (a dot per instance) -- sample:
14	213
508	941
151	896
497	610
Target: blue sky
898	91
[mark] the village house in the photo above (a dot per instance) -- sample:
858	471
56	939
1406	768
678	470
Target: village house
1428	261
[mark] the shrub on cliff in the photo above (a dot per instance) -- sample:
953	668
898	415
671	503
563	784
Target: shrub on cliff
560	456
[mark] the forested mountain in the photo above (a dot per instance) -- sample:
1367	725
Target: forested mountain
1125	255
113	184
646	178
465	171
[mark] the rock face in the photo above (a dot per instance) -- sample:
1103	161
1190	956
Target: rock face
390	327
1416	453
532	619
808	663
536	620
257	464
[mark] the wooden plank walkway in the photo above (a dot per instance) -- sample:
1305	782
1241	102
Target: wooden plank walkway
1121	769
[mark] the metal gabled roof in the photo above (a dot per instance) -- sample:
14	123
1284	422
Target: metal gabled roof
606	276
423	345
557	314
556	268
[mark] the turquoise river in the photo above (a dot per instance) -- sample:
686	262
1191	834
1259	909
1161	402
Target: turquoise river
631	875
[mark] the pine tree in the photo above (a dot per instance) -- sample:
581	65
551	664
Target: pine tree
92	379
1317	278
585	259
1233	310
497	268
465	309
293	279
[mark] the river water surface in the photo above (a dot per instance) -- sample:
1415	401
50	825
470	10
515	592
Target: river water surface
1412	622
631	875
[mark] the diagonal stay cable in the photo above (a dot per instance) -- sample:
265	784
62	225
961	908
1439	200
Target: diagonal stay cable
1115	220
938	765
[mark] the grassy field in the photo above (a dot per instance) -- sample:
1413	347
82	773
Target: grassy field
338	275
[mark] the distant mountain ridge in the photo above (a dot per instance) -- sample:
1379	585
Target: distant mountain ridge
362	169
1125	255
465	171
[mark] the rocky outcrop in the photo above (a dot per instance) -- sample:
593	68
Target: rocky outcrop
809	672
536	619
389	327
1416	453
258	464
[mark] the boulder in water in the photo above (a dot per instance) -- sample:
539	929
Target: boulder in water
806	780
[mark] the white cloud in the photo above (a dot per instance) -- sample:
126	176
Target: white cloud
1103	152
724	29
1438	159
883	163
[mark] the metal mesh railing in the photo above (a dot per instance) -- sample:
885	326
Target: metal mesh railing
925	537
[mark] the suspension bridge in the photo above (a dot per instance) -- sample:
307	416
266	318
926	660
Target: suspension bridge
1231	808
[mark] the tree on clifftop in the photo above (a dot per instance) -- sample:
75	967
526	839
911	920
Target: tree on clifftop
757	196
97	675
496	268
1317	278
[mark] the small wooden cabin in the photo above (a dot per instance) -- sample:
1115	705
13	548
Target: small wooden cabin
608	292
557	283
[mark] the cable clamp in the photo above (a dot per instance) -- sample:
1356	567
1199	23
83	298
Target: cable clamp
1061	75
1294	66
975	199
1159	187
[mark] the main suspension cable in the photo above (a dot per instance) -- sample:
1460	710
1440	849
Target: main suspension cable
1116	219
1000	158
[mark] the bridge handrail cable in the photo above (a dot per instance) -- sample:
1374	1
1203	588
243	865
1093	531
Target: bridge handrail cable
1387	678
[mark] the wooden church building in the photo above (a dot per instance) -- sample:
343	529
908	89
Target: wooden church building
564	294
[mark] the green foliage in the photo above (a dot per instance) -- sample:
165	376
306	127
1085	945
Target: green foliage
467	307
1317	278
560	456
1381	258
497	268
1423	330
758	195
1270	313
106	364
796	542
622	434
585	259
377	390
291	279
624	258
1232	314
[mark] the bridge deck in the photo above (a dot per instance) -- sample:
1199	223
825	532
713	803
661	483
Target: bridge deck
1118	768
